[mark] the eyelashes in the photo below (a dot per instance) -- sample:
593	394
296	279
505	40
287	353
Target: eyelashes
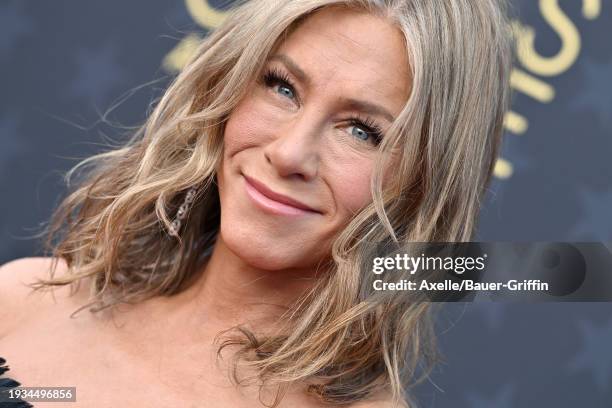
371	128
274	76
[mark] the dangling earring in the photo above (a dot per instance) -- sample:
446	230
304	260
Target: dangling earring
175	227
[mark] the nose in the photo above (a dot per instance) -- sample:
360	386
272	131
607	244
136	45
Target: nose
294	151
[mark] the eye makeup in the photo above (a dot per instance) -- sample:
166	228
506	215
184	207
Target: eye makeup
273	77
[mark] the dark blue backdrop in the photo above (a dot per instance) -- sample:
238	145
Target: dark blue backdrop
65	63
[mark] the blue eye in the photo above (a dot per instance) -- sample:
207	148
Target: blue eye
286	91
366	130
280	82
360	133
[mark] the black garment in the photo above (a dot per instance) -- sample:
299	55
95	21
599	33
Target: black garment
5	385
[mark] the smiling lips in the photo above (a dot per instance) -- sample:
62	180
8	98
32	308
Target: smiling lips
274	202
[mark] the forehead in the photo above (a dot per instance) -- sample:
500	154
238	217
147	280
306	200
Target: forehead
354	52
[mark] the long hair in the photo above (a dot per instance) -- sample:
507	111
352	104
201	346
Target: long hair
343	339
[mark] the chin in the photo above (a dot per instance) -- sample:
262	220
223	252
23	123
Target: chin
262	250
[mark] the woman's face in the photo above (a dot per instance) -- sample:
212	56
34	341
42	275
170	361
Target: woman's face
300	146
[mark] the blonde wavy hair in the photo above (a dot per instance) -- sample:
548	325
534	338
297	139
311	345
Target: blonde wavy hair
343	339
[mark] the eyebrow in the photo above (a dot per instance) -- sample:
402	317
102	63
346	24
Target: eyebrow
366	107
293	67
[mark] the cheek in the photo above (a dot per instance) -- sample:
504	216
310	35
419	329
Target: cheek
252	123
351	186
242	128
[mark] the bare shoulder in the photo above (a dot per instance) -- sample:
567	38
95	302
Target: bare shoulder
16	275
15	293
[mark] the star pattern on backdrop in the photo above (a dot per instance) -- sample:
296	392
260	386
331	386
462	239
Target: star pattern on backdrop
501	398
98	74
491	311
595	221
14	24
596	94
12	144
97	56
594	354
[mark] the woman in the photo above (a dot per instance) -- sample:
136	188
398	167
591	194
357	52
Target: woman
225	252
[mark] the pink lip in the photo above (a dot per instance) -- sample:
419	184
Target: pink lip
275	202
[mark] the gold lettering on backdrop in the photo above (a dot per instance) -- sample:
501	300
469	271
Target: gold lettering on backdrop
591	9
503	169
531	86
515	123
525	81
204	14
521	80
208	18
563	27
176	59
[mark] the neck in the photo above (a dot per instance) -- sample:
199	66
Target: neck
230	291
227	292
